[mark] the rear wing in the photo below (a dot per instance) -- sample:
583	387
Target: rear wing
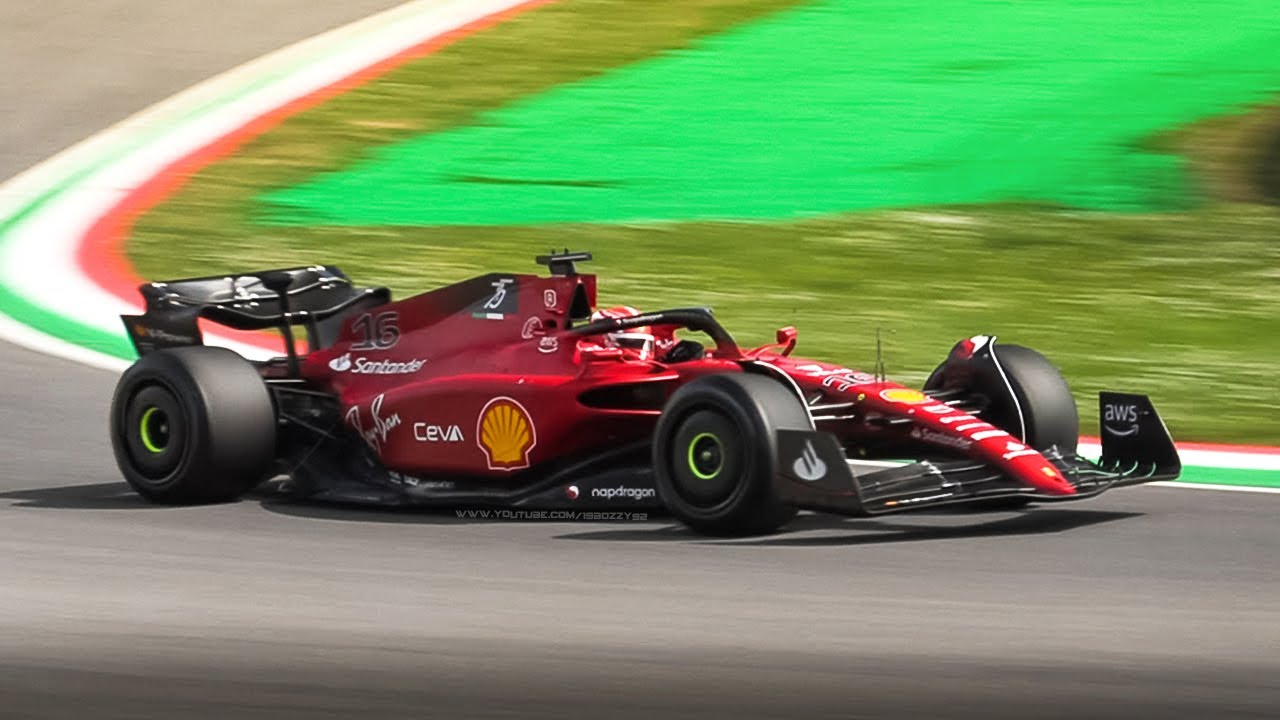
317	298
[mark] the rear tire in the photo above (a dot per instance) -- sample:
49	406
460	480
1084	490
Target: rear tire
715	450
192	425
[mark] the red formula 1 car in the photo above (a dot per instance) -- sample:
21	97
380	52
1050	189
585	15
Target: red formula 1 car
513	390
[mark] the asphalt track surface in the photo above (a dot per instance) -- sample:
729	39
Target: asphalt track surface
1153	602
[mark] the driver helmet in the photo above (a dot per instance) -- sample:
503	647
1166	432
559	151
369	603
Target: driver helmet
640	341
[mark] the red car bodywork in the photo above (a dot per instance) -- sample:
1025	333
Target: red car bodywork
488	377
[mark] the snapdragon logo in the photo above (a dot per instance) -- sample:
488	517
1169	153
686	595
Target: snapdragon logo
626	492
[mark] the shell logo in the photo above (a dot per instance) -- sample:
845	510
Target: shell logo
506	434
904	395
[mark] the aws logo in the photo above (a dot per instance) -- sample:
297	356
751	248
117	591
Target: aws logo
506	434
1120	420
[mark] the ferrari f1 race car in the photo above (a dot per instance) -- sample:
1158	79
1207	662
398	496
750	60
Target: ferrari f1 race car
516	391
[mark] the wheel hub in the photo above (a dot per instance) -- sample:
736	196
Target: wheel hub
706	456
153	428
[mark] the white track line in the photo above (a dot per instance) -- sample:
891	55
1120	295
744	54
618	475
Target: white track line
170	130
1209	458
1209	486
155	138
28	337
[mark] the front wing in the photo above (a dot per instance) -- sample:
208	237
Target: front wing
815	474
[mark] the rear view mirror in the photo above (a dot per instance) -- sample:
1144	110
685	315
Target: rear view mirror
786	337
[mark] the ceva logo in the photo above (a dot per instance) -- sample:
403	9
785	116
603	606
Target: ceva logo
426	432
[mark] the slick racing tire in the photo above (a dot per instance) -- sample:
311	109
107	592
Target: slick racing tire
715	450
192	425
1044	414
1048	408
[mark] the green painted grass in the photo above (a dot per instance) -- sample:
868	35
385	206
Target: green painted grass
834	106
1230	476
1181	305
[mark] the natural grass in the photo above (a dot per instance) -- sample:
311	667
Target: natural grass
1182	306
1235	157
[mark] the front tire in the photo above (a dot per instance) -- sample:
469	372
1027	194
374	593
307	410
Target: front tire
715	450
192	425
1049	411
1041	412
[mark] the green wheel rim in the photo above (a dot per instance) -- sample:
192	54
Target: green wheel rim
698	457
144	431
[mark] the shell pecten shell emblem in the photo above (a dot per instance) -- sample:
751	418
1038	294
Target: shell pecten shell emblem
506	434
907	396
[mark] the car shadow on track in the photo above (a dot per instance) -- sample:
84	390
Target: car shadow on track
119	496
835	530
97	496
111	496
269	496
351	512
874	531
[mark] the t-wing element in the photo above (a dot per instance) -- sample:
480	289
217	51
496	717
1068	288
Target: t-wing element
563	263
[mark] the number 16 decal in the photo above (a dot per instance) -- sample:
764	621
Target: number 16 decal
377	332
